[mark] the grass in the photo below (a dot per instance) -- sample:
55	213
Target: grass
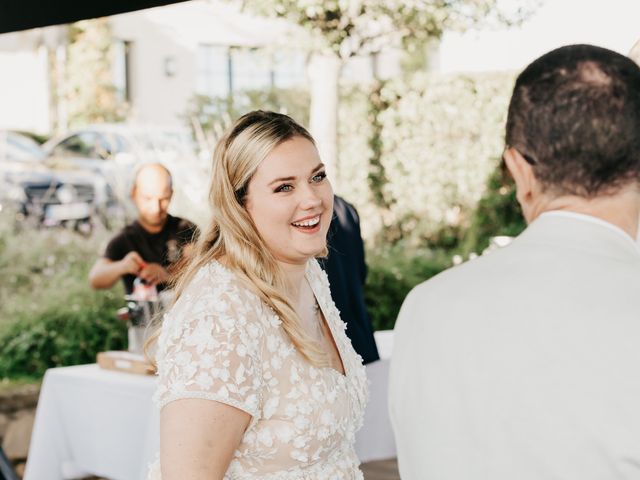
13	384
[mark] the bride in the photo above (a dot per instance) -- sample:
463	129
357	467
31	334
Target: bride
257	377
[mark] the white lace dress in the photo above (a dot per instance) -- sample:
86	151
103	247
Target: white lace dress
220	342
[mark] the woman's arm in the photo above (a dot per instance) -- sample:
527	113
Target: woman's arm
198	438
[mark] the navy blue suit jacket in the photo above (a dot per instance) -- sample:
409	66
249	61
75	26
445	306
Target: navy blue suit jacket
347	271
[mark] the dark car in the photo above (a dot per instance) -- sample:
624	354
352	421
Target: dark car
37	194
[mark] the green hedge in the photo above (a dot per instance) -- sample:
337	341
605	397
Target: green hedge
440	137
60	336
497	213
49	316
393	272
215	114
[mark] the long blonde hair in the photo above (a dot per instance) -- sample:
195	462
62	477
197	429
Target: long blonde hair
233	235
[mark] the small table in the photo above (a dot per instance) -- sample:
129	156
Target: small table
92	421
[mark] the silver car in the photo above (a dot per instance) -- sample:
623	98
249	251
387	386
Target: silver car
113	151
37	194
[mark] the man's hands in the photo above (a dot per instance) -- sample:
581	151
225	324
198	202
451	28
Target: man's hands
153	273
105	273
132	263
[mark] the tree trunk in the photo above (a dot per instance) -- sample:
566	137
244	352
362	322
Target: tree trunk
62	112
324	71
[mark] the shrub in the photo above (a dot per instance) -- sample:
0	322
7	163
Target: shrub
393	272
59	336
213	115
497	213
49	316
439	137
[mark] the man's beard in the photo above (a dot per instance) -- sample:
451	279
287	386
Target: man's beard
155	220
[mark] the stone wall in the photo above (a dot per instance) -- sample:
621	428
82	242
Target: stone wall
17	413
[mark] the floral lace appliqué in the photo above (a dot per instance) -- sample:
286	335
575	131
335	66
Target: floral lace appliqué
220	342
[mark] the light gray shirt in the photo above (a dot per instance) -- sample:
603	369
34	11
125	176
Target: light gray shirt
524	363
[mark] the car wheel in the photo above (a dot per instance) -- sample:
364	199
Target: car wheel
84	227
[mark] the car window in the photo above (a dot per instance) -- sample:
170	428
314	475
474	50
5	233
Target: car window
16	147
105	146
79	145
121	144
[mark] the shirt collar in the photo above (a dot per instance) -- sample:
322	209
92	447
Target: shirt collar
590	219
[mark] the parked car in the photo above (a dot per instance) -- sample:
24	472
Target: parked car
113	151
37	194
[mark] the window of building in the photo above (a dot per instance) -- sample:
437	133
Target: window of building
289	68
251	69
213	77
223	70
122	69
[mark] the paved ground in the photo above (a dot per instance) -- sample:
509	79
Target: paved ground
381	470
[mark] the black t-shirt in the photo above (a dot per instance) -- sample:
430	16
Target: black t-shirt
164	247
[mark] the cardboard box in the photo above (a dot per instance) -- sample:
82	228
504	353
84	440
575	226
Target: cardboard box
125	362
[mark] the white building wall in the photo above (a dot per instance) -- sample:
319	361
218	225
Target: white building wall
159	35
24	92
173	34
156	97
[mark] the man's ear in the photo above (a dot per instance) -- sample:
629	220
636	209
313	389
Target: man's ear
522	173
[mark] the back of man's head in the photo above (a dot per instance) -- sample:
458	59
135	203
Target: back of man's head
575	115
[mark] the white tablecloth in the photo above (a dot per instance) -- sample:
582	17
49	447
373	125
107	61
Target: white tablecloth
384	342
101	422
96	421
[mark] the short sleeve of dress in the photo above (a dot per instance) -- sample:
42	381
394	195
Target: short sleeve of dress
210	344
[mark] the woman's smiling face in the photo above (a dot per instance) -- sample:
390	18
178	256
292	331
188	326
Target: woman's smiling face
290	201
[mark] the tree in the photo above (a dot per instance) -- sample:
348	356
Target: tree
341	29
89	92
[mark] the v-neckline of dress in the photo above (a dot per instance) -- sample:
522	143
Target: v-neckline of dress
326	320
308	274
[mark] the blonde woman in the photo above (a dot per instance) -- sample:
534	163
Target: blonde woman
257	377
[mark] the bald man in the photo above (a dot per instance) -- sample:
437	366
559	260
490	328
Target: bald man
147	247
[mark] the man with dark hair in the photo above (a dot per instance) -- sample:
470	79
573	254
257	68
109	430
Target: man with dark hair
150	245
582	139
523	364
